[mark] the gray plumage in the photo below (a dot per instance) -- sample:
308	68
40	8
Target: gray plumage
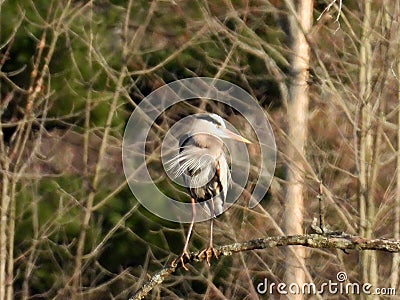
202	163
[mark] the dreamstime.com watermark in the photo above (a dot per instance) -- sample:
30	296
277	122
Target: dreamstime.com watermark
340	287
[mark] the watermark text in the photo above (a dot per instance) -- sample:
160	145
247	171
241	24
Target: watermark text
340	287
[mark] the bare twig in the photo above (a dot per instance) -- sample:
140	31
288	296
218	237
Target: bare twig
331	241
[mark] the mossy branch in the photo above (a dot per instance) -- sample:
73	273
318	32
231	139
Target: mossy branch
323	241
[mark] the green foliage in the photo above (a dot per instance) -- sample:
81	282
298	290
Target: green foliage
81	50
75	72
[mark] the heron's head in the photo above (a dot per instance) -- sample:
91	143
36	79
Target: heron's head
213	125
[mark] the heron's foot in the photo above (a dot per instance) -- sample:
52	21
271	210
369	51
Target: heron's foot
181	258
208	253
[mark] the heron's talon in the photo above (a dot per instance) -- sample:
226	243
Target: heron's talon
181	258
208	254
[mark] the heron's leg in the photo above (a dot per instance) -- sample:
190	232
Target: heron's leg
210	252
185	253
190	227
211	223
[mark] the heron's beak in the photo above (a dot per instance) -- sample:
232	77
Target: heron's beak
226	133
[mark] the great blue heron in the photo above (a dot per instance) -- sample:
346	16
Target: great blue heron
202	163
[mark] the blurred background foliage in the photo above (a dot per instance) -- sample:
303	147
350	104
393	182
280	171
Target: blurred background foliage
98	59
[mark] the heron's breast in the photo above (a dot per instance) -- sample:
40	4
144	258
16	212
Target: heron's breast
210	190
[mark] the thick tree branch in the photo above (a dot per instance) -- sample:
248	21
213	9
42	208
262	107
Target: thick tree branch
328	241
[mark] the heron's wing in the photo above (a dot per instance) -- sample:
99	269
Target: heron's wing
223	185
224	176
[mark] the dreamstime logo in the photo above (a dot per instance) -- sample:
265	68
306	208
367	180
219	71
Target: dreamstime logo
140	124
341	287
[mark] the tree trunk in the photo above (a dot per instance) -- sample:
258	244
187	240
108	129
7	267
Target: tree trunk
299	25
368	261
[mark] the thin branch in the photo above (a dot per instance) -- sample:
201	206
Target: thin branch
330	241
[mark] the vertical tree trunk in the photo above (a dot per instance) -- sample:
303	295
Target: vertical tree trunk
368	262
3	232
299	25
